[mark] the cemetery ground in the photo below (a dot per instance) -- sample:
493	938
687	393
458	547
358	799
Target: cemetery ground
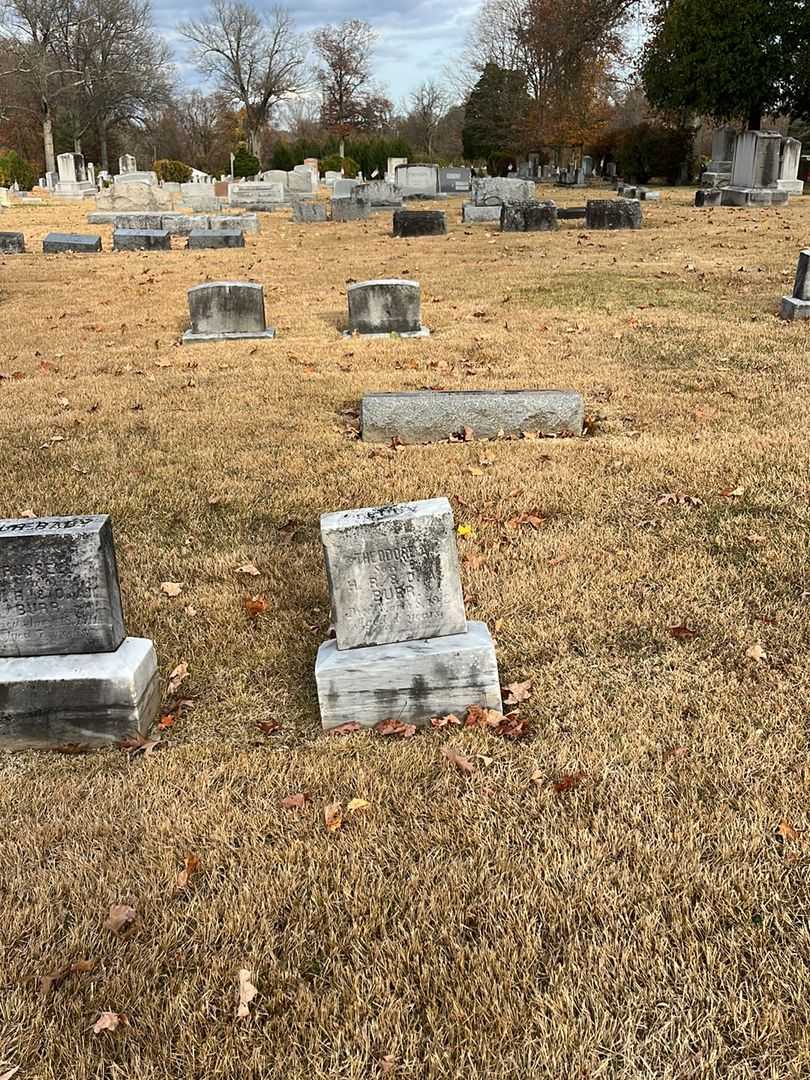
620	892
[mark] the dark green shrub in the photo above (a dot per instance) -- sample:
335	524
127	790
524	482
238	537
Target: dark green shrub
245	164
13	167
335	163
172	171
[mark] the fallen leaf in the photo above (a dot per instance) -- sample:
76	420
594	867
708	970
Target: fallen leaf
190	867
55	978
444	721
683	632
473	470
108	1021
517	692
478	716
677	753
357	804
333	816
786	831
387	1064
176	678
467	434
255	606
530	517
755	652
344	729
249	568
268	727
167	721
139	744
732	493
171	588
465	530
395	727
462	763
121	916
247	992
679	498
568	782
295	802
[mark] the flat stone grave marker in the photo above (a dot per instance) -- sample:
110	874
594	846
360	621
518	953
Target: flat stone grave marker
797	306
59	587
532	216
426	416
199	239
384	307
613	214
141	240
474	215
393	573
309	213
79	242
226	311
347	209
12	243
420	223
709	197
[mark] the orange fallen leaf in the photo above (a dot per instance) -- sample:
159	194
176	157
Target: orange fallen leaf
108	1021
247	992
462	763
344	729
530	517
357	804
732	493
395	727
167	721
787	832
683	632
121	916
176	678
515	693
268	727
568	782
445	721
139	744
255	606
55	978
295	802
191	866
333	816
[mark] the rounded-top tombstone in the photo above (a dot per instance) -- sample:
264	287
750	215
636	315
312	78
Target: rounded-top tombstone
386	306
226	310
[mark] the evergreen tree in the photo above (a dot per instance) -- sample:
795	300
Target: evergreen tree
495	112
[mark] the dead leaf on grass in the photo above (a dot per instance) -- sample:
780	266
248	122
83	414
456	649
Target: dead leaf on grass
357	804
176	678
247	992
462	763
250	569
268	727
55	978
139	744
516	692
333	816
191	866
786	831
344	729
568	782
755	652
532	518
732	493
395	727
108	1021
256	606
171	588
120	918
295	802
683	632
445	721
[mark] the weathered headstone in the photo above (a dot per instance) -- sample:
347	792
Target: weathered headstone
302	180
256	196
455	180
127	164
418	180
73	182
475	215
420	223
797	306
718	171
532	216
384	307
403	647
498	190
68	673
755	170
708	197
343	189
12	243
80	242
226	311
349	210
379	194
309	213
426	416
789	167
613	214
202	239
141	240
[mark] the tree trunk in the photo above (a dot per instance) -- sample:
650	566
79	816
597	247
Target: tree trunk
77	146
254	142
755	118
102	142
47	140
342	148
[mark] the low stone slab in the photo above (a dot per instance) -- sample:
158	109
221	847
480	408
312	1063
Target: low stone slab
92	699
141	240
82	242
792	308
534	216
613	214
709	197
571	213
474	215
409	681
426	416
420	223
738	196
58	586
248	223
226	311
347	209
12	243
305	213
102	217
215	238
797	306
386	306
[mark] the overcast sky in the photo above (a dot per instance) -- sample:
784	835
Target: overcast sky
416	39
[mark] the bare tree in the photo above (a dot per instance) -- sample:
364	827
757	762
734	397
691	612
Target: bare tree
428	105
344	74
255	61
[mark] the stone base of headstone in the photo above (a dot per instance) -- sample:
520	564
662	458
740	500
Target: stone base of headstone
190	337
420	223
75	189
308	213
613	214
708	197
711	179
87	699
426	416
12	243
738	196
422	332
141	240
792	187
347	209
474	215
792	308
77	242
410	681
215	238
531	216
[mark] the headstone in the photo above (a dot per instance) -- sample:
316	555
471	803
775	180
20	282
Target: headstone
434	415
797	306
613	214
789	167
349	210
247	223
91	173
309	213
587	167
215	238
141	240
529	216
12	243
610	170
302	180
127	164
275	176
199	196
343	188
392	166
649	196
718	172
143	176
755	170
455	180
134	195
226	311
474	215
80	242
384	307
379	194
69	675
314	165
257	196
571	213
420	223
708	197
418	180
497	190
73	182
403	648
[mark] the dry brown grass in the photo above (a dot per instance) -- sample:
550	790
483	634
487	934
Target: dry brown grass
649	923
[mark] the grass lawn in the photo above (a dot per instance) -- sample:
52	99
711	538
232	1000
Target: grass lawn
621	894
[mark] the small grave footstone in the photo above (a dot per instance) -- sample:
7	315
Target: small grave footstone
403	648
613	214
709	197
79	242
475	215
141	240
420	223
346	209
384	307
309	213
797	306
215	238
12	243
68	673
226	311
433	415
531	216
